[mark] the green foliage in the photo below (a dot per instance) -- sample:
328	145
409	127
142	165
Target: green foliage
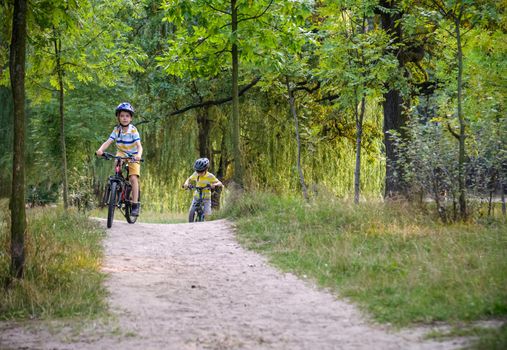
392	260
110	50
93	46
62	271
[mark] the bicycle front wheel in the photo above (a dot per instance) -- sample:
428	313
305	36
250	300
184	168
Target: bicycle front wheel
113	199
128	210
192	214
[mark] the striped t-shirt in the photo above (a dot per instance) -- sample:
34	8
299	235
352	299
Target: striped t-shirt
201	181
126	140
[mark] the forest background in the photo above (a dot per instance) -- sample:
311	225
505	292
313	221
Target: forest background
340	97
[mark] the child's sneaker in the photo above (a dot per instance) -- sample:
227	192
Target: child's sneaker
135	209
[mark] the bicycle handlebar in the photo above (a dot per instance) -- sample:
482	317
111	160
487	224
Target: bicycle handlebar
109	156
192	187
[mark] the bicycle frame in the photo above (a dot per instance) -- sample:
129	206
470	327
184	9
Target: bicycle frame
197	210
118	190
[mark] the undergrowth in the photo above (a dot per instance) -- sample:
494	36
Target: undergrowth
62	275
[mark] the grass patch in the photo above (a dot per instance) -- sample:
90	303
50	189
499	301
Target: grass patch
62	268
399	264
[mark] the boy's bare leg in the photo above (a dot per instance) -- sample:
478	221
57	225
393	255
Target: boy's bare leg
134	181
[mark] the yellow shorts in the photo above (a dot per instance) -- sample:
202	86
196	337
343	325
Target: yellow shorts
134	167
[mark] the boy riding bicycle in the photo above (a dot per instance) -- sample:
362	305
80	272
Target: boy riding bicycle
201	177
128	143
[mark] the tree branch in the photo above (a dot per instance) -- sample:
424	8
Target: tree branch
302	86
328	98
205	103
257	16
218	10
453	133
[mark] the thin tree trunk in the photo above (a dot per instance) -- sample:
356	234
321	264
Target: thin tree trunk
236	153
298	139
359	134
59	71
504	208
17	201
222	165
462	126
204	127
490	203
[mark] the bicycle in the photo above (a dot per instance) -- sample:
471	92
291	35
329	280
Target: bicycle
118	190
196	213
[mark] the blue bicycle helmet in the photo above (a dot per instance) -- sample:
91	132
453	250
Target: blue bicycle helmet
125	106
201	164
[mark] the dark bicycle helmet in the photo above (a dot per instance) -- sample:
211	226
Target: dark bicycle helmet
201	164
125	106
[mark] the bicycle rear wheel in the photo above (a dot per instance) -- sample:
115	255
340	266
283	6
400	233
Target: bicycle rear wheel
113	199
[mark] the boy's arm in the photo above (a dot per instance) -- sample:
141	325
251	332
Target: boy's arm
187	182
104	146
139	154
217	183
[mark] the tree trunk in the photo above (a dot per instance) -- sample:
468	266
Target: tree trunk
6	142
236	153
461	118
392	105
220	172
392	121
359	134
59	71
298	139
204	126
504	208
17	201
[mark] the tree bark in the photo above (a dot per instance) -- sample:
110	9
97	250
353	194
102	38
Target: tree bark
461	118
59	71
298	139
504	208
204	126
17	202
392	105
6	142
359	136
236	152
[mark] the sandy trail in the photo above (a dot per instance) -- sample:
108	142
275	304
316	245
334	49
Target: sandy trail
191	286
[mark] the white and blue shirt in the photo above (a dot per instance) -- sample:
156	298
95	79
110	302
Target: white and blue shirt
126	140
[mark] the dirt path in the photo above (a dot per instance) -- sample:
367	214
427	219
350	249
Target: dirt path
191	286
